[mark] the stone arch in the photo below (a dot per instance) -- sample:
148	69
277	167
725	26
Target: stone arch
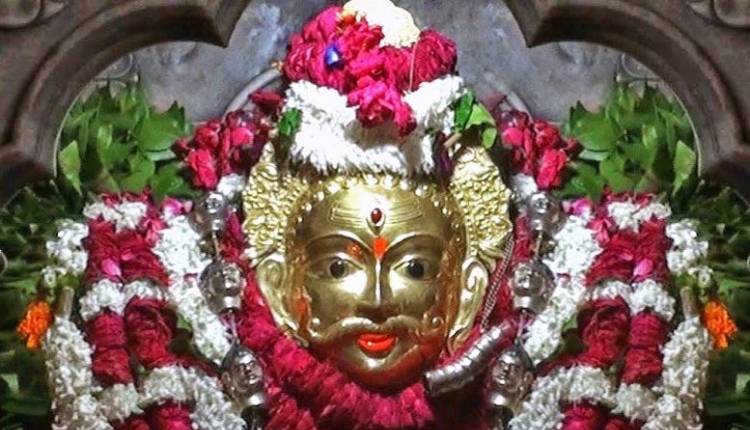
691	53
98	33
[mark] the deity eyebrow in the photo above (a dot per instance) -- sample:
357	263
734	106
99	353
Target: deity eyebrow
397	213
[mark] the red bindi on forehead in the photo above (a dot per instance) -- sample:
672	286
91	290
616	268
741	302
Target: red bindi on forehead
379	246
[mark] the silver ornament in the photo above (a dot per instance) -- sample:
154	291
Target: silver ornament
473	362
222	284
511	376
544	213
210	213
242	377
532	284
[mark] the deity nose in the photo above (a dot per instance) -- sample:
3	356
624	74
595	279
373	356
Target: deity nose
376	303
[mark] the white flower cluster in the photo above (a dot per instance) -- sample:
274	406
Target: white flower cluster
230	186
332	140
575	252
398	25
125	215
68	359
687	251
541	410
641	296
686	358
175	383
178	248
629	215
524	186
67	252
114	296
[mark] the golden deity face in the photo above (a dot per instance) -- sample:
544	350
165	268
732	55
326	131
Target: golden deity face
378	274
376	277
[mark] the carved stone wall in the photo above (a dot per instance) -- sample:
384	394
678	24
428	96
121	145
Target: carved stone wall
50	49
494	57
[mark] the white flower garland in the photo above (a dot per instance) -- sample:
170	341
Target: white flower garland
575	252
230	186
179	251
398	25
119	402
687	251
67	252
648	294
68	359
174	383
524	187
630	216
125	215
541	409
686	358
331	139
115	296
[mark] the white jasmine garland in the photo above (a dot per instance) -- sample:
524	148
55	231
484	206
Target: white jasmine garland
104	294
209	333
635	402
648	294
67	252
230	186
629	215
331	139
119	402
524	187
125	215
178	248
687	250
575	252
212	409
68	360
114	296
399	29
541	409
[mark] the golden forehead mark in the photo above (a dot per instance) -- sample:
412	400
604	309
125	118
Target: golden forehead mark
396	213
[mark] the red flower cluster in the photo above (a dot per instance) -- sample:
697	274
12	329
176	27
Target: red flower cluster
123	256
631	256
231	145
538	149
341	52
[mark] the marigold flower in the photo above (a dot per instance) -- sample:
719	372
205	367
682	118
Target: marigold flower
719	323
35	323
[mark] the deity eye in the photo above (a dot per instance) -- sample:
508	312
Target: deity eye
337	268
415	269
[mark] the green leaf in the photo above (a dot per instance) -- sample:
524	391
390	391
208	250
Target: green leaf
142	170
480	116
589	155
595	132
289	125
70	164
26	405
463	111
612	169
685	161
489	137
159	131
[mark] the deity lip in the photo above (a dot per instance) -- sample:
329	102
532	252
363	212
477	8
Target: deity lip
376	343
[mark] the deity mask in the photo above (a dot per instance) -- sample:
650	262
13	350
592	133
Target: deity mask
377	273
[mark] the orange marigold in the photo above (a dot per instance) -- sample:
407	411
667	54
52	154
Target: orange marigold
719	323
35	323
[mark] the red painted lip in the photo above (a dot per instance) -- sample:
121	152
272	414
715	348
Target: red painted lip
376	343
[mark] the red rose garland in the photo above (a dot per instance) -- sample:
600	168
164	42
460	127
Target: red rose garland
340	52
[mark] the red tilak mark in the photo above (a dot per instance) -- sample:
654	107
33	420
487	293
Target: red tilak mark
376	343
379	246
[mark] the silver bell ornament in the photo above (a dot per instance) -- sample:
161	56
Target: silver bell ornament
544	213
511	376
222	283
532	283
242	377
210	213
